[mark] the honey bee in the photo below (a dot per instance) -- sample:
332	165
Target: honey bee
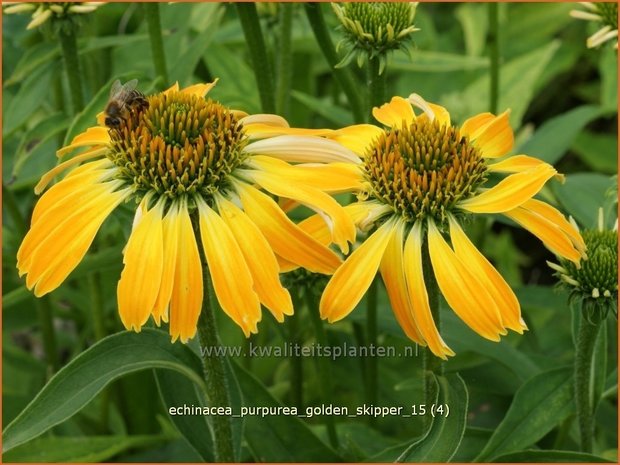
124	100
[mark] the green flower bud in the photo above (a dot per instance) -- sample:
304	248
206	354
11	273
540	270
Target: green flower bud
374	28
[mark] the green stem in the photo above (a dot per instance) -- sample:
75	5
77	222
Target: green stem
285	59
343	76
323	365
94	283
297	371
377	84
68	44
46	322
371	334
258	54
586	339
215	374
493	41
157	43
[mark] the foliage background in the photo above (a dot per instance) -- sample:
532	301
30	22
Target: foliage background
564	110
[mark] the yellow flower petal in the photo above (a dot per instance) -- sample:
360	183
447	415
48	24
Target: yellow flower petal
395	113
200	90
64	246
472	126
302	149
515	164
170	232
229	271
414	275
173	88
330	177
285	238
357	138
462	288
340	224
489	277
96	135
259	258
141	277
187	291
547	231
393	275
51	174
511	191
551	214
495	138
350	282
262	130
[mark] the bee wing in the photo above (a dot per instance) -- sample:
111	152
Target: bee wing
116	87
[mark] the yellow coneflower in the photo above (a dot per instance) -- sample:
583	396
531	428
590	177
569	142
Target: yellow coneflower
193	165
420	177
604	13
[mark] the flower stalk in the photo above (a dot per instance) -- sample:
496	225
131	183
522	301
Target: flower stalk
68	44
372	380
157	44
377	84
493	42
586	340
255	41
285	59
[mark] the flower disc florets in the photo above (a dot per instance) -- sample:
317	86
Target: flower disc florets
608	13
421	170
180	144
595	283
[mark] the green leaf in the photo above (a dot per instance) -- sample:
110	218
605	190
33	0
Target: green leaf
87	374
474	22
176	391
608	68
550	456
437	62
86	449
598	151
33	58
582	194
330	112
538	406
276	438
446	432
16	296
554	137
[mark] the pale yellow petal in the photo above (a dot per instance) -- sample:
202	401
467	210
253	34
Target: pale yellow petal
498	288
547	231
357	138
262	130
418	295
394	113
350	282
511	192
187	290
302	149
462	288
229	271
285	238
260	259
495	138
393	274
170	234
141	277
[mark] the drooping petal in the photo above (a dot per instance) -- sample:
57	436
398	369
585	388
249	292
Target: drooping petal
141	277
495	138
170	233
260	259
199	90
511	192
547	231
490	278
229	271
64	246
357	138
187	290
285	238
414	275
97	135
263	130
462	288
431	111
350	282
332	177
393	274
51	174
547	211
302	149
340	224
394	113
